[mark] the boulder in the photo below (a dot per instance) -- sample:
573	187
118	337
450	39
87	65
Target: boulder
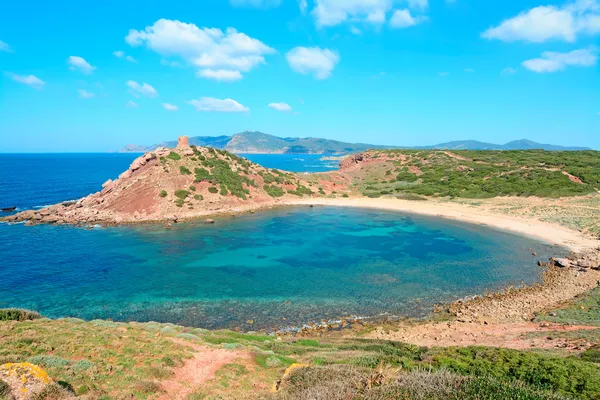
24	380
562	262
209	221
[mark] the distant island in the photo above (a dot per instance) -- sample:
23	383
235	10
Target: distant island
254	142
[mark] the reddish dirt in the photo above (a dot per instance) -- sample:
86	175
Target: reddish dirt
573	178
510	335
196	370
456	156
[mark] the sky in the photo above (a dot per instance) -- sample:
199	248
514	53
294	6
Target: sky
79	76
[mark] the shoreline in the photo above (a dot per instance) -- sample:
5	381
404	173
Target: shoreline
544	231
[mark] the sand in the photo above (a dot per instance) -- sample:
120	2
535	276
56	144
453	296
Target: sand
544	231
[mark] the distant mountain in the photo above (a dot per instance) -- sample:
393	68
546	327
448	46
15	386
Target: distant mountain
262	143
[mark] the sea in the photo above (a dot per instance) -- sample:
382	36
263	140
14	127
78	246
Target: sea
278	269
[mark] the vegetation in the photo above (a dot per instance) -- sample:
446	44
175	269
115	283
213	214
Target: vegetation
17	314
213	189
273	191
584	310
184	170
163	193
483	174
174	156
182	194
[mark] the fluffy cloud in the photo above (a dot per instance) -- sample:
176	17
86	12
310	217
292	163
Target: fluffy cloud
121	54
217	105
313	60
545	23
144	89
553	62
280	106
131	104
205	48
404	19
29	80
84	94
227	75
5	47
79	64
170	107
255	3
334	12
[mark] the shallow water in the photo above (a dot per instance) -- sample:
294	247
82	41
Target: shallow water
278	268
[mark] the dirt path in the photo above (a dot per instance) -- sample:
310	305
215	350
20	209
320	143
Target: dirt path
509	335
196	370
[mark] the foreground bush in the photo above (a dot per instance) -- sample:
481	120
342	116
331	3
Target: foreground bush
17	314
342	382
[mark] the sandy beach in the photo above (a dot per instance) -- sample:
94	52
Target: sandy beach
544	231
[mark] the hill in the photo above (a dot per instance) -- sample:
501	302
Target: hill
254	142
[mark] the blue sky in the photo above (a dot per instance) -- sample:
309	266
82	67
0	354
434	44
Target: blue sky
75	77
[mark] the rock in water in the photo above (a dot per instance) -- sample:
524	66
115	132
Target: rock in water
209	221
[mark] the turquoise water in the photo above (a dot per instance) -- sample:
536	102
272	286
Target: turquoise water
301	264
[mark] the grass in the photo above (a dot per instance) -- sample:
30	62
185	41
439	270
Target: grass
483	174
97	358
584	310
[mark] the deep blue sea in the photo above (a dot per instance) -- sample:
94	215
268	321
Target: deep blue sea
279	268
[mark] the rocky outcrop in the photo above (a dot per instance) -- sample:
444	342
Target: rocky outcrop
586	260
23	381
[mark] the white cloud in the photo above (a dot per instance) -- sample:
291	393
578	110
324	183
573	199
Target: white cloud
144	89
29	80
355	30
418	4
227	75
255	3
5	47
334	12
303	5
217	105
170	107
553	61
545	23
79	64
84	94
313	60
121	54
131	104
206	48
174	64
280	106
404	19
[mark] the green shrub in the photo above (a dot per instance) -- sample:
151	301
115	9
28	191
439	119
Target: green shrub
213	189
273	191
179	202
17	314
182	194
592	354
163	193
184	170
49	361
193	188
82	366
174	156
198	197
